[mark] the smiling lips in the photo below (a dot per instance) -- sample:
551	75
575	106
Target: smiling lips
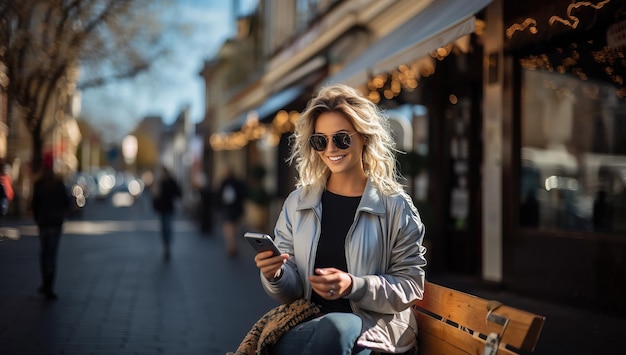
336	158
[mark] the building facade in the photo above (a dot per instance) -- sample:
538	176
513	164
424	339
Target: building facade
510	114
559	72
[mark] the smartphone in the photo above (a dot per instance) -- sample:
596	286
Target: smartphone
261	242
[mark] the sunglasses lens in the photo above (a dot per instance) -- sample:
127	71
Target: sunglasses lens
342	140
318	142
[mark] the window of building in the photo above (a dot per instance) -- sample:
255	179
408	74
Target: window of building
572	113
573	153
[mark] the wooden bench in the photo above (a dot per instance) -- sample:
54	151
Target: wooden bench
453	322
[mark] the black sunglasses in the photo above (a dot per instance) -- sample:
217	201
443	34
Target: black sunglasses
341	140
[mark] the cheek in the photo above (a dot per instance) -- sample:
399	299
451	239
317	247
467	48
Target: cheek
359	149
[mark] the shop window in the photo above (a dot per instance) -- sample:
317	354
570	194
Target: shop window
573	153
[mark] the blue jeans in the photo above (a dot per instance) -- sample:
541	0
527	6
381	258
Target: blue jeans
166	229
49	239
333	333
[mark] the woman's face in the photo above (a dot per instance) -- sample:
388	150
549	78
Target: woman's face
340	161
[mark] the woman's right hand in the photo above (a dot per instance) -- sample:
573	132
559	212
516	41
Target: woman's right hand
270	265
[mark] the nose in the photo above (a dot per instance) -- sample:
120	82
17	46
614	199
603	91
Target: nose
330	145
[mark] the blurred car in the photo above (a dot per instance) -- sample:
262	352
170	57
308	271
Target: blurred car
86	182
105	180
126	182
127	189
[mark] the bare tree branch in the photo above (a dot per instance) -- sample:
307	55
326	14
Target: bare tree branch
43	41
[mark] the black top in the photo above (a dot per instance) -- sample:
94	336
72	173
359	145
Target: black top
337	216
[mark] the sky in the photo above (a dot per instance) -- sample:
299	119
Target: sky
173	82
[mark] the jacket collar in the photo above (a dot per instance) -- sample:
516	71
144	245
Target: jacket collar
372	200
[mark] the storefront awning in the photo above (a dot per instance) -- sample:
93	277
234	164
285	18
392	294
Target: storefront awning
441	22
278	102
267	109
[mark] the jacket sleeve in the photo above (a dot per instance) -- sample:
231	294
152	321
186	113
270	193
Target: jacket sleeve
403	282
288	287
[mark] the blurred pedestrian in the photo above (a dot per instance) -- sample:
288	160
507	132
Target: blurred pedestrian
350	235
6	189
50	204
165	191
232	194
204	214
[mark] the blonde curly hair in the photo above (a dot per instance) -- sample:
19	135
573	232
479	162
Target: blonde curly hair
379	158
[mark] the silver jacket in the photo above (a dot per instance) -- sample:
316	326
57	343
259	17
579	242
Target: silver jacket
384	254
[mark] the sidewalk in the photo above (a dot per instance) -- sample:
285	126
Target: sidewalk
117	296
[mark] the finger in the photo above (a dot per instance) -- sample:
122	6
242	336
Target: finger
272	263
263	255
320	271
333	290
270	266
262	260
325	292
326	277
327	271
269	269
323	283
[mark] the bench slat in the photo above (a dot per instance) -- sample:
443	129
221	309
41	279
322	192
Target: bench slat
435	337
470	311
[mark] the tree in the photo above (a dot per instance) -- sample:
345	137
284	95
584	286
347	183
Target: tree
43	43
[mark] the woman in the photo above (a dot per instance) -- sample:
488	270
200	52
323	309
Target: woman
351	236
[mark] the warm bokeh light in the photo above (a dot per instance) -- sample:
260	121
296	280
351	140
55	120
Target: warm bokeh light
129	149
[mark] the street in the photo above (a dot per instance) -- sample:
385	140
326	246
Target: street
118	296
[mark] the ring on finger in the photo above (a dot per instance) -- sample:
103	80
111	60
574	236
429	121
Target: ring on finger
331	292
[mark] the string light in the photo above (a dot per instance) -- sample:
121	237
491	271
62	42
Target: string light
405	77
529	23
575	21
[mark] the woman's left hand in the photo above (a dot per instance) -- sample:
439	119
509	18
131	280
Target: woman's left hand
331	283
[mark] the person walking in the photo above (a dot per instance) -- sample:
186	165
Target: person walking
6	196
351	236
50	204
164	195
6	189
232	194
